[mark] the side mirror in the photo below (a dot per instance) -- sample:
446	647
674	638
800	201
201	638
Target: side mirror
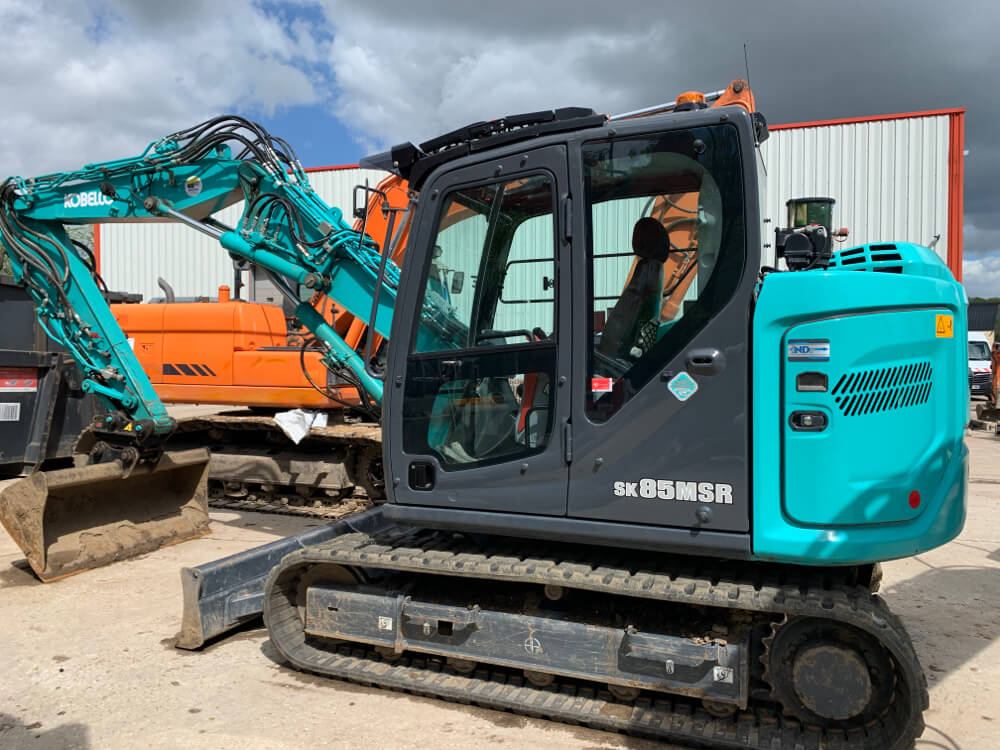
457	281
360	207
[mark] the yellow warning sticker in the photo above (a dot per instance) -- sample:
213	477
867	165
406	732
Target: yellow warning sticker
944	326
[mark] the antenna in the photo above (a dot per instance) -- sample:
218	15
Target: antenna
746	63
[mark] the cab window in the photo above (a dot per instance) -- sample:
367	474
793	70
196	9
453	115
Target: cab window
491	278
665	252
483	358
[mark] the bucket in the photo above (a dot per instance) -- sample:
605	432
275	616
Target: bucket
70	520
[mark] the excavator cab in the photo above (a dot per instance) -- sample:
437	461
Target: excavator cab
602	268
619	265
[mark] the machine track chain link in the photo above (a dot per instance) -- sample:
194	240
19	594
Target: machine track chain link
369	472
667	717
327	509
240	430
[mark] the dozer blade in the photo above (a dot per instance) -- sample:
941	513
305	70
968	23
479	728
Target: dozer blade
71	520
224	594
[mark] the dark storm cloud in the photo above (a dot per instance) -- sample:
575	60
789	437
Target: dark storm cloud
400	70
808	61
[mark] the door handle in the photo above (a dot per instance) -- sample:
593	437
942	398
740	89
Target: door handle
708	361
449	369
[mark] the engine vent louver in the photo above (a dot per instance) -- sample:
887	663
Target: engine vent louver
878	258
883	389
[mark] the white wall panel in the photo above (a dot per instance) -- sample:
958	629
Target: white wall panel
889	178
195	265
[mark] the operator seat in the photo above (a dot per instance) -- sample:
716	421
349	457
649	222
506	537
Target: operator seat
640	299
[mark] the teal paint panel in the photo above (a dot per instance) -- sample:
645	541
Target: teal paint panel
885	416
835	498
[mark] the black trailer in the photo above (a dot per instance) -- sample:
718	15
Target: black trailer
42	408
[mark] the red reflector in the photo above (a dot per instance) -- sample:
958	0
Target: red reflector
18	379
914	499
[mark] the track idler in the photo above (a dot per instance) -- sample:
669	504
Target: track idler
828	674
70	520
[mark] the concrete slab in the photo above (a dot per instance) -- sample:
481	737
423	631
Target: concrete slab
89	663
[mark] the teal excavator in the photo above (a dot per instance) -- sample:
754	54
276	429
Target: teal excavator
129	494
635	480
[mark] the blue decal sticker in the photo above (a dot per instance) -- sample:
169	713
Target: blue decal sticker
809	350
682	386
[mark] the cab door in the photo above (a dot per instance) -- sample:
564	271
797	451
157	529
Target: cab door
478	391
666	268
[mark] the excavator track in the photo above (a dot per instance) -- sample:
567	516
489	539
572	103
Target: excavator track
775	598
335	471
292	504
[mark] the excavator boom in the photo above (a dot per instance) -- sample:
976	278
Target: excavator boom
285	229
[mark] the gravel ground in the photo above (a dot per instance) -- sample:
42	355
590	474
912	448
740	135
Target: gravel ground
88	662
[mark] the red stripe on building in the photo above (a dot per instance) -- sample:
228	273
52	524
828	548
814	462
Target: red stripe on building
956	176
870	118
335	168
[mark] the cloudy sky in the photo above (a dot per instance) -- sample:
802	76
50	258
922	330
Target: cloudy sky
86	80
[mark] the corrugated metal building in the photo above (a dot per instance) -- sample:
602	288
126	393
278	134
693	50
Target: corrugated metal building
894	177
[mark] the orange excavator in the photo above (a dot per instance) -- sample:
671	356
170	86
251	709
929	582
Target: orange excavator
250	355
241	353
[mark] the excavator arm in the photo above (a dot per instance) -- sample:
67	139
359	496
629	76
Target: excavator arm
186	177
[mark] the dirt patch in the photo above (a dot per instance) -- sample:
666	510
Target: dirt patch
504	720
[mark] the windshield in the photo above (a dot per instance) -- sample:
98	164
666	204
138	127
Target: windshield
492	273
978	350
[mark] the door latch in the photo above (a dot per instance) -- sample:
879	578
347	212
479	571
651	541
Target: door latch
808	421
705	361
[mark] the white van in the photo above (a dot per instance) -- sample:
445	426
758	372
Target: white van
980	364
